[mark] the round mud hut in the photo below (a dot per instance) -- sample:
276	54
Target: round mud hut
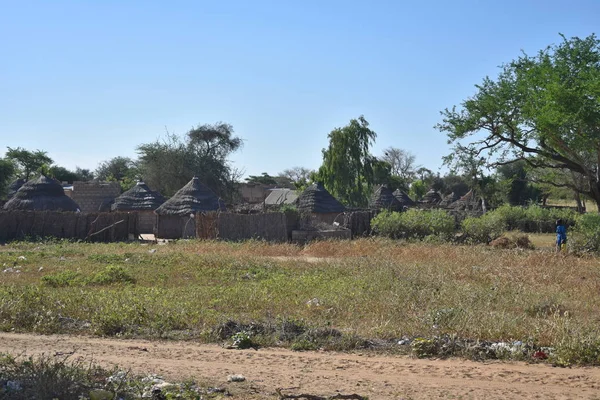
142	200
175	217
13	187
403	198
383	199
315	201
41	194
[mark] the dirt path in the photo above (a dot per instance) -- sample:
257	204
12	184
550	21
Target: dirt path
379	377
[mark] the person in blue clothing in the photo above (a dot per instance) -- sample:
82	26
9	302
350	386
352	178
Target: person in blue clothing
561	234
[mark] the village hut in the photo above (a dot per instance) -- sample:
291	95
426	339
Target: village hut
142	200
403	198
432	197
315	201
448	200
383	199
41	194
468	202
13	187
175	217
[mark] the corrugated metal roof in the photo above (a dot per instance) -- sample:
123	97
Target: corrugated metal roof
281	196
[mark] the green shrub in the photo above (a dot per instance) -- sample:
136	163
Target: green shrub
534	218
585	236
61	279
513	217
484	229
414	224
112	274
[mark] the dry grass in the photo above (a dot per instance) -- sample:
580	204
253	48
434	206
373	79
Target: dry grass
373	288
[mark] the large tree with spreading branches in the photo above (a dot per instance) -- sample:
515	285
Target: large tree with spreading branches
543	109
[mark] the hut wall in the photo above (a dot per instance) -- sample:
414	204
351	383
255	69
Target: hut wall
146	221
175	227
359	222
97	227
93	196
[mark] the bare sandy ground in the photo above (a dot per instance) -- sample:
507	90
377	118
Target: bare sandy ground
321	373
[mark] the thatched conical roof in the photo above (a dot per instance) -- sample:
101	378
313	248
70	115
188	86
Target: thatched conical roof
403	198
138	198
383	199
192	198
316	199
16	185
41	194
449	199
432	197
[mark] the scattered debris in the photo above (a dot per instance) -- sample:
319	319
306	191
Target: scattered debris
23	258
152	251
236	378
314	302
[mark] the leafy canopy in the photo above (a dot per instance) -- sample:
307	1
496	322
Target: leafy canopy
347	169
543	109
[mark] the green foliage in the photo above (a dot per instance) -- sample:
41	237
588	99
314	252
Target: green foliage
242	340
422	347
61	279
167	165
534	218
418	189
585	236
414	224
27	161
112	274
484	229
347	169
543	108
7	173
263	179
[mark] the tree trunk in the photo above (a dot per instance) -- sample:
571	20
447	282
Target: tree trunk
578	201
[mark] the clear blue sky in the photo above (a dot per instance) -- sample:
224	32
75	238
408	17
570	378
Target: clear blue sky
90	80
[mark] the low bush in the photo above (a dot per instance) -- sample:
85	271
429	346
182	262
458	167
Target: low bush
534	218
585	236
484	229
112	274
414	224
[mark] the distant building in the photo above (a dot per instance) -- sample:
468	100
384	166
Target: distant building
278	197
93	196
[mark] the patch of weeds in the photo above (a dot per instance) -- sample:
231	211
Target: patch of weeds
444	317
303	345
422	347
242	340
112	274
61	279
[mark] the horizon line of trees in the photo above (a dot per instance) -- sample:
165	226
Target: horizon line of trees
530	133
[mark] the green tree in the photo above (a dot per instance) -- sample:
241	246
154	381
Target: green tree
66	175
418	189
7	174
543	109
297	176
167	165
347	169
116	168
263	179
28	162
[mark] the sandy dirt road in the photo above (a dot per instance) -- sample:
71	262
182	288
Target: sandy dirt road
321	373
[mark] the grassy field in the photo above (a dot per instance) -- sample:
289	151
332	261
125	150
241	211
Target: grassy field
333	295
